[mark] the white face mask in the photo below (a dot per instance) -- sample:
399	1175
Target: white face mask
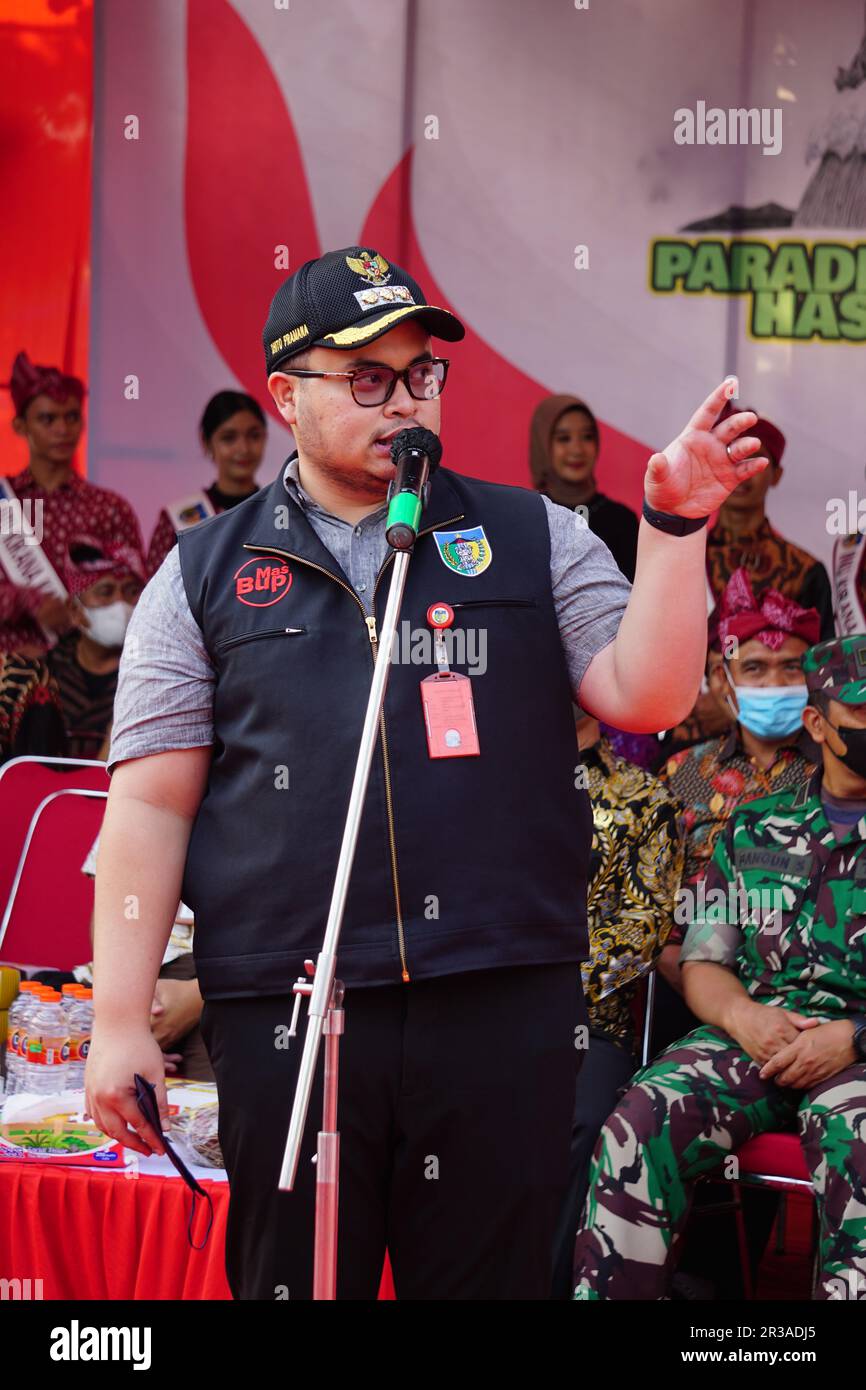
108	625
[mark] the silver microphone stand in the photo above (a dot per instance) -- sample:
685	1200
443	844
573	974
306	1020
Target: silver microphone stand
325	1012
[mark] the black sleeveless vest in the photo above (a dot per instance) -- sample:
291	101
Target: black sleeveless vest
463	863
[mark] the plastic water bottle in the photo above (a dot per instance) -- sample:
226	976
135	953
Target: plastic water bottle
13	1033
25	1005
69	994
47	1066
80	1028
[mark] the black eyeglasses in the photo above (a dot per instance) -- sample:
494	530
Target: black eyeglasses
375	385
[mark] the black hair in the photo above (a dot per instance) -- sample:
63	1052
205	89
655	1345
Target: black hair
820	700
222	407
301	360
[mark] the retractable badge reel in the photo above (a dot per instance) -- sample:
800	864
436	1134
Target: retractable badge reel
446	697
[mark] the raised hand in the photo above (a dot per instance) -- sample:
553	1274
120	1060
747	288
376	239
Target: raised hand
703	465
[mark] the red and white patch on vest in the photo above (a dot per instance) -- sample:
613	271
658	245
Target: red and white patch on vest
262	581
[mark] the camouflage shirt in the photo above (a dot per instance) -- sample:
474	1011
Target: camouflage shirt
784	905
634	874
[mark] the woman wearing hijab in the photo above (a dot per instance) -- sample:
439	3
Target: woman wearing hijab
563	450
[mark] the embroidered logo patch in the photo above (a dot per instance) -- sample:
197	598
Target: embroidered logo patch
261	581
464	552
372	268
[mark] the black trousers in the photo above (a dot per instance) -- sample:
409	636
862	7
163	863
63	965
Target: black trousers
607	1068
455	1109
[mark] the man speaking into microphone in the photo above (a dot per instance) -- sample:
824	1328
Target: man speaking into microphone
241	699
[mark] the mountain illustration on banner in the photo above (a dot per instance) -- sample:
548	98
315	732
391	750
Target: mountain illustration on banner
798	290
836	194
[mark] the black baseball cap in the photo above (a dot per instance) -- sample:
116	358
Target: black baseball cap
345	299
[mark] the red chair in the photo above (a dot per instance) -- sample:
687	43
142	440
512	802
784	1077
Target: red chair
53	809
773	1160
24	782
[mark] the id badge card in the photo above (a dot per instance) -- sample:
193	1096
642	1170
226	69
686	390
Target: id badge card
449	716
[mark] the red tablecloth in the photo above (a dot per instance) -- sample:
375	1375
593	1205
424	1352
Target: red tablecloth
108	1236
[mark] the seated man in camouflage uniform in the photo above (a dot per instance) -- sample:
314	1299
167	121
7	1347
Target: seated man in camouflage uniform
781	988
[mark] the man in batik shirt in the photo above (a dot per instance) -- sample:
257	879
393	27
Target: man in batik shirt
775	965
634	874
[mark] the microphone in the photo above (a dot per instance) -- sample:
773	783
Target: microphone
416	454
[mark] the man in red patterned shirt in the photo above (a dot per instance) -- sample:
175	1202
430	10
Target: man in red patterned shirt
48	414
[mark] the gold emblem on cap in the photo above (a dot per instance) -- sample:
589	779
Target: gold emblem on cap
373	268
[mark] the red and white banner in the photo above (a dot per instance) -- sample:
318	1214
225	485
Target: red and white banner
623	201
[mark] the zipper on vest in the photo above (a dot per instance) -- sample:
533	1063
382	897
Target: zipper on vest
496	603
254	636
374	643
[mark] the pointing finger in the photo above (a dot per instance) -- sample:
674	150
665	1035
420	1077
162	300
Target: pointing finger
706	415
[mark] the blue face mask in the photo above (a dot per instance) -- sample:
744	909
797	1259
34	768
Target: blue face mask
770	711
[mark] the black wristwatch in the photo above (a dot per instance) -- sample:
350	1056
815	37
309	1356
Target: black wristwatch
860	1038
672	524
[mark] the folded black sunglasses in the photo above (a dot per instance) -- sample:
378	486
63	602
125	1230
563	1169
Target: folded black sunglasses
145	1094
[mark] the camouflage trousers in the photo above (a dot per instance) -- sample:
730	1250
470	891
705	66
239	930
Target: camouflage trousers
683	1115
